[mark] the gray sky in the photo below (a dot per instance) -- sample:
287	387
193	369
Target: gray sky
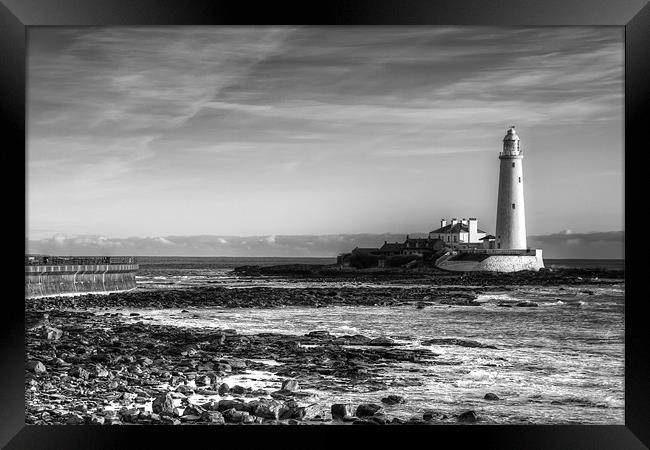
170	131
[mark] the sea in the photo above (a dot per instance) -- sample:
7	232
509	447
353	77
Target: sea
559	363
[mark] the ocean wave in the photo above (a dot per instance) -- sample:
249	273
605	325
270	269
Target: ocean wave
344	329
480	375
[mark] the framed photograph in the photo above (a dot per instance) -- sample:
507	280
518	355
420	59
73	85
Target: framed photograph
296	217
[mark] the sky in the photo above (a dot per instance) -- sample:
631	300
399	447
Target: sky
143	133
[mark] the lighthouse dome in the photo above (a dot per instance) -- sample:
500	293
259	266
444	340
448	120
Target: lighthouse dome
511	135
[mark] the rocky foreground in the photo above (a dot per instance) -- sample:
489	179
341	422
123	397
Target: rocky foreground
87	368
94	367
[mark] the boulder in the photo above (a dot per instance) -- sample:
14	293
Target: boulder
290	385
491	396
430	415
291	410
213	417
313	411
166	420
235	363
79	372
96	420
416	421
238	390
128	396
163	404
223	389
393	399
379	419
36	367
234	416
190	418
367	409
203	380
282	395
231	404
185	389
74	419
211	405
51	333
382	341
101	372
129	415
260	392
319	334
341	410
467	417
193	410
268	409
223	367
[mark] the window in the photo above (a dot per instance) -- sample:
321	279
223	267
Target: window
513	206
455	238
520	179
513	164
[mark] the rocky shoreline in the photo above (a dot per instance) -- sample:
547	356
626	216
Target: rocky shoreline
435	276
86	365
92	368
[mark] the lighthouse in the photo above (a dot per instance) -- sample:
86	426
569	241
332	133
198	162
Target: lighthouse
511	218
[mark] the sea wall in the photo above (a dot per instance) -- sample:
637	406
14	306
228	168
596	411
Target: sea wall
497	263
42	280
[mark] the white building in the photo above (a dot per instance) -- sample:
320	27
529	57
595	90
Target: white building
511	220
459	233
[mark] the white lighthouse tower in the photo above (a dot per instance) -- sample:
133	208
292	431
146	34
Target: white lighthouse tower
511	218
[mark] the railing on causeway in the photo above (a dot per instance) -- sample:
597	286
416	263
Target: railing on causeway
77	260
499	251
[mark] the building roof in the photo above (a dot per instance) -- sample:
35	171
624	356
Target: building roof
421	243
365	250
455	229
391	247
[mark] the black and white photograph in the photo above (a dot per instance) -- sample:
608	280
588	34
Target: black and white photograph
325	225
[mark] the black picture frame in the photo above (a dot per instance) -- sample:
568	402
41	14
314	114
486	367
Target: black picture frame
17	15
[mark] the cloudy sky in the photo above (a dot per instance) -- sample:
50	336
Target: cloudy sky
147	133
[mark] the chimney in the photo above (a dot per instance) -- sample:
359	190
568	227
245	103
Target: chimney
443	223
473	229
463	221
454	221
